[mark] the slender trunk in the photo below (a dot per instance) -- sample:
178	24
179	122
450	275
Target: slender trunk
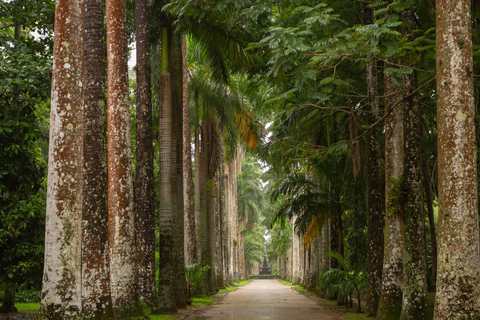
458	237
431	218
390	303
374	188
166	290
179	278
144	183
61	290
211	160
96	299
201	220
120	184
190	237
218	227
414	265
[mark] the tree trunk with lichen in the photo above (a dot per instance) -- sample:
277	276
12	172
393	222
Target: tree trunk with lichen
374	187
212	161
458	238
390	304
121	215
431	218
415	292
96	300
144	184
414	304
61	290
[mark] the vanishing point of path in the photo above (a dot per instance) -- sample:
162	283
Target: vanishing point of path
264	299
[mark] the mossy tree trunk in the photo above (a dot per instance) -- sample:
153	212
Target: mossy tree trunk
374	188
96	299
61	290
144	183
390	304
120	181
458	238
414	264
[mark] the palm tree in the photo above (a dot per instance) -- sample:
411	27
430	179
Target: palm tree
120	186
96	300
144	182
458	209
61	295
390	303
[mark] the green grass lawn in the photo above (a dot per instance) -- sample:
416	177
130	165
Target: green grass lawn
28	307
300	288
286	283
227	289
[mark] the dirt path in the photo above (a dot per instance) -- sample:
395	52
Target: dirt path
264	299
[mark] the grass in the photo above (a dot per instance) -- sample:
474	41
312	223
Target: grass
287	283
300	288
227	289
242	283
28	307
198	302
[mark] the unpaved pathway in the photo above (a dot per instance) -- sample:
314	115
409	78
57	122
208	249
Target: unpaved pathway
264	299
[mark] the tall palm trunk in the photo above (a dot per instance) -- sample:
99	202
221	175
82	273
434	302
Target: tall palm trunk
190	236
458	237
374	185
179	278
96	300
61	290
390	303
414	304
166	290
120	184
144	183
201	220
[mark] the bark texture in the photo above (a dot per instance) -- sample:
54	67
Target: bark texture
390	303
120	183
458	239
96	300
414	304
167	217
61	290
431	218
190	237
179	277
144	183
374	188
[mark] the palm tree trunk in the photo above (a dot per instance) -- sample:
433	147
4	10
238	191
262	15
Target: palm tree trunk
458	237
96	300
166	290
374	186
415	265
144	183
61	290
390	303
120	187
179	277
190	236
